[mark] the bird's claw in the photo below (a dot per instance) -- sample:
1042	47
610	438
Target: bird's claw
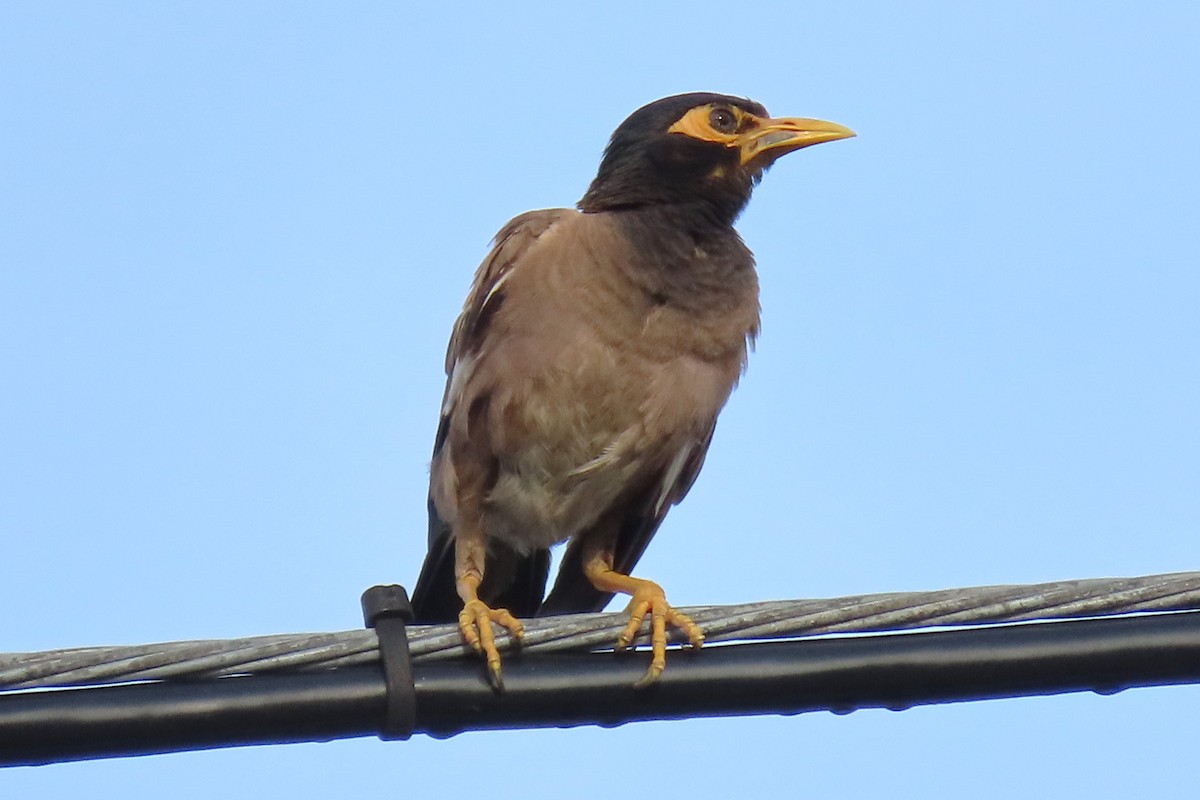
475	624
650	598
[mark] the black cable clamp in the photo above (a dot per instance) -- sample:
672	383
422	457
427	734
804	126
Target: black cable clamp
387	609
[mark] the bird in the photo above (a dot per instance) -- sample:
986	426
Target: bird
585	373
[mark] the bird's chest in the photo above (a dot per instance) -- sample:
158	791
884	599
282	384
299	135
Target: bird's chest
610	370
607	363
604	412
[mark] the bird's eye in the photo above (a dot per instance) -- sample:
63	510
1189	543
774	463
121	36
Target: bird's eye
723	120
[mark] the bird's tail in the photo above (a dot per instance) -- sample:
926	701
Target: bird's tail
435	597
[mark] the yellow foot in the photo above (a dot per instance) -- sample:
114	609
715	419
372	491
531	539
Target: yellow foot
650	597
475	623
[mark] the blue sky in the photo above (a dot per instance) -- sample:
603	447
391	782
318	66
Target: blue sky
233	238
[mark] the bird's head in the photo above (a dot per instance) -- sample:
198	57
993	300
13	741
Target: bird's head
699	149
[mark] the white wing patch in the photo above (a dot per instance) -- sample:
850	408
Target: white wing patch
671	476
463	367
496	287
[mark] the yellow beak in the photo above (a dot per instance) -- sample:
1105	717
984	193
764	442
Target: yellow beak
779	136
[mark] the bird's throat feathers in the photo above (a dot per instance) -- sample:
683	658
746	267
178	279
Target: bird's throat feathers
681	256
701	203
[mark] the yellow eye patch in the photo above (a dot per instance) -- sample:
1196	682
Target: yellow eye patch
697	123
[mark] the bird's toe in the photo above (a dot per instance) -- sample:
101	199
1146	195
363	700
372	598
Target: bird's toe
475	623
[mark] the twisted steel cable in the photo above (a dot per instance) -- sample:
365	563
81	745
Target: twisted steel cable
873	613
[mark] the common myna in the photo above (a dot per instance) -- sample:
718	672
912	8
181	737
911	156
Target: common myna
586	371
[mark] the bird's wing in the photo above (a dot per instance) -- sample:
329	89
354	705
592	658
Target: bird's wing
636	519
513	580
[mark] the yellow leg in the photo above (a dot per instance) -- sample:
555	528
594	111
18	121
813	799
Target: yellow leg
476	618
645	596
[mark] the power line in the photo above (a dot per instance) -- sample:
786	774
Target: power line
280	703
753	621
